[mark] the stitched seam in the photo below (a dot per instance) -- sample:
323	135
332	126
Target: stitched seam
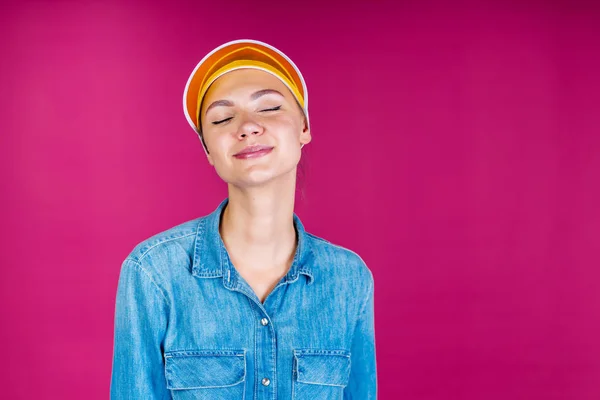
206	387
241	354
256	328
321	383
245	376
302	353
139	266
349	250
274	359
369	292
199	234
222	352
318	238
164	241
364	304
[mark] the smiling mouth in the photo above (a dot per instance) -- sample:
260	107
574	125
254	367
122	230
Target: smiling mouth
254	154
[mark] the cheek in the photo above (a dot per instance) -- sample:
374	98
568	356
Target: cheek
217	151
216	141
286	126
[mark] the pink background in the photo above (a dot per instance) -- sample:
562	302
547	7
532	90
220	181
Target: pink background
456	148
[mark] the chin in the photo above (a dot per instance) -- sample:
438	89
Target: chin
255	178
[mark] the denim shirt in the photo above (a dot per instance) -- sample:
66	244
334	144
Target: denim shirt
188	326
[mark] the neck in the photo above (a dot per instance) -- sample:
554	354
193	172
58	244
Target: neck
257	225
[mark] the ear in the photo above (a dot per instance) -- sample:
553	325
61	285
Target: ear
305	136
210	160
205	148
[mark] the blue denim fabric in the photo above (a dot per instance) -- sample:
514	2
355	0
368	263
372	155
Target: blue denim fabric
188	326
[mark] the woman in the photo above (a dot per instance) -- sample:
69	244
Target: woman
244	303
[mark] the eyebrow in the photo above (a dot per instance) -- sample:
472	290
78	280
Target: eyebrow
260	93
253	96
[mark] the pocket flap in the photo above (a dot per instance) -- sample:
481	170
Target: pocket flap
204	368
322	367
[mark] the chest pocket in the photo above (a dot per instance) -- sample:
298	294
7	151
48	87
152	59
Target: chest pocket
206	374
320	374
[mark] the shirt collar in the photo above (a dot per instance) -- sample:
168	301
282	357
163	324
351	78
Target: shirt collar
212	260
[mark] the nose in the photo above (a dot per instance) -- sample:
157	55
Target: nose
249	127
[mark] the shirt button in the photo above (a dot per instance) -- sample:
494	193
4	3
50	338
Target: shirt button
266	381
264	321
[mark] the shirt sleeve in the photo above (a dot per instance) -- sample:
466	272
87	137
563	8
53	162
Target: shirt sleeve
363	370
140	324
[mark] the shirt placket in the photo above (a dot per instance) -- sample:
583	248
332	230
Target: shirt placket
265	352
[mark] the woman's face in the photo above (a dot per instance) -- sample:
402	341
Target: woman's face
252	107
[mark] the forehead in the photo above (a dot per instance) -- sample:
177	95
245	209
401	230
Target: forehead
243	82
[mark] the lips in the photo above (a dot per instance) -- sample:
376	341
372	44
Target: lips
250	150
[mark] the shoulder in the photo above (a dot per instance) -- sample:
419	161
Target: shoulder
166	249
338	260
162	240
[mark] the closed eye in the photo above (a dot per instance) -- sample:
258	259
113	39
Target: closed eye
221	121
271	109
